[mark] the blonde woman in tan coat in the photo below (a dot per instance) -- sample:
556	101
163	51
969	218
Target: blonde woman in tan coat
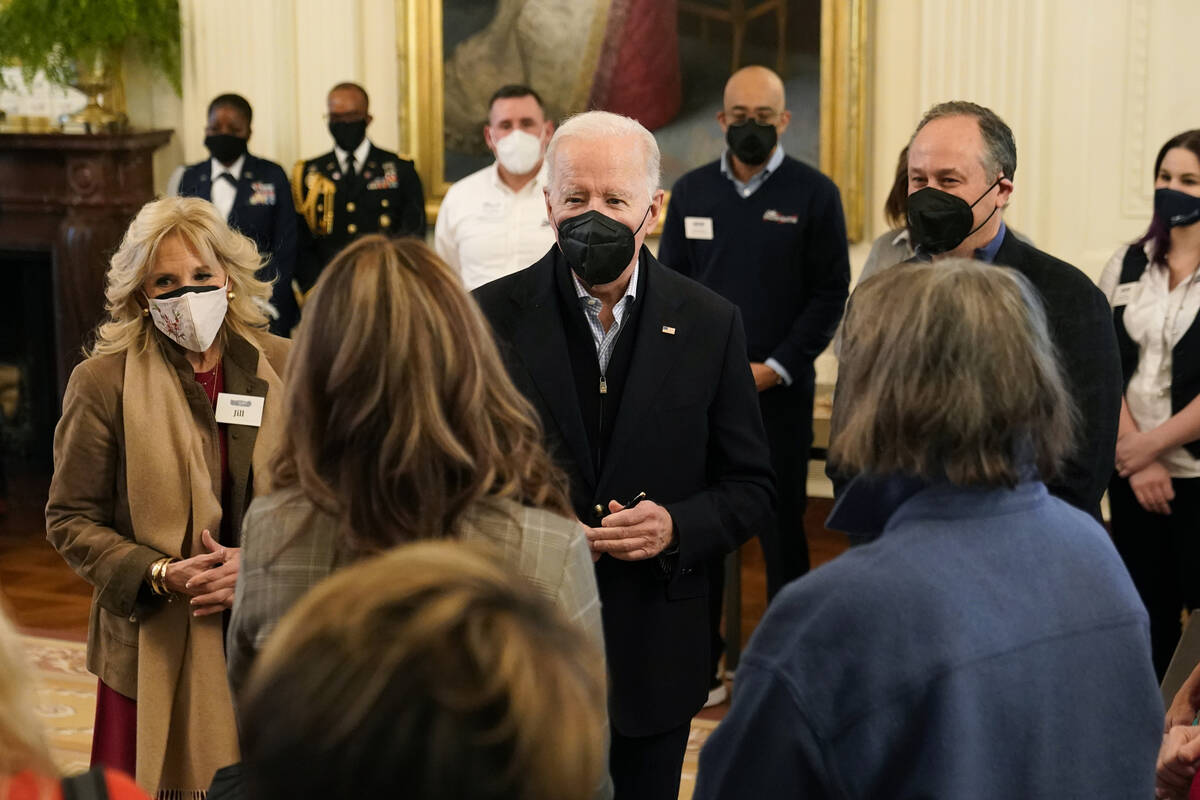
167	429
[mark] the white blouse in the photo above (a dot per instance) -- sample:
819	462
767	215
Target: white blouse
1156	318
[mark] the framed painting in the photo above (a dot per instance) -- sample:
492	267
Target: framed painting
663	62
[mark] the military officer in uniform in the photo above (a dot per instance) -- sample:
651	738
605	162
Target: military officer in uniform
356	188
252	194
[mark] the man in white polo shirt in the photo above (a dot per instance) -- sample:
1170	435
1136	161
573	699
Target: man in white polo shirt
493	222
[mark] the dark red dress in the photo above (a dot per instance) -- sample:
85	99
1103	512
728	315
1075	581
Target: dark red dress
114	735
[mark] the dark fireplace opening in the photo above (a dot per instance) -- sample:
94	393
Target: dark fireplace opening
29	403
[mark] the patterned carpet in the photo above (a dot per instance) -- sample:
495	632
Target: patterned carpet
67	705
66	699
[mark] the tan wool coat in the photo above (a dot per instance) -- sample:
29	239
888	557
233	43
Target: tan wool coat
119	500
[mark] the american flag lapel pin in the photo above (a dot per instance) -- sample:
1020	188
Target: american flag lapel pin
668	330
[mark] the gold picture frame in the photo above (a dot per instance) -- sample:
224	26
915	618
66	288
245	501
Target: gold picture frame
843	106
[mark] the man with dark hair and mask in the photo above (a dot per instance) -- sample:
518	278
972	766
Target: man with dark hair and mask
766	231
961	162
355	188
252	194
639	377
493	222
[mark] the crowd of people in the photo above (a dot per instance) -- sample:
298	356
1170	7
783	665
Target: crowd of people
464	534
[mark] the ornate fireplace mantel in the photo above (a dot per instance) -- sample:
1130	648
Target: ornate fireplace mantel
73	196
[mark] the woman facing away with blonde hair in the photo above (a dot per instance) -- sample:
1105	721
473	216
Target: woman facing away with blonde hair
984	640
26	769
405	426
430	673
151	477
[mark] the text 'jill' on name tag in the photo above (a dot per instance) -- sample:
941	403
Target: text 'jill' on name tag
698	227
239	409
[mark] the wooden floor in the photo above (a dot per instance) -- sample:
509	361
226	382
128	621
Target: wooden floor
46	598
41	593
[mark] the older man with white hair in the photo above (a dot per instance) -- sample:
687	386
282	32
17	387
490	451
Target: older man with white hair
640	378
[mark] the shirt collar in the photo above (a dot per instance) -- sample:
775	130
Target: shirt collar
360	154
772	164
868	502
235	170
987	253
630	290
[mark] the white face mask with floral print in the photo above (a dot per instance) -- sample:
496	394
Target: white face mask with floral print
191	315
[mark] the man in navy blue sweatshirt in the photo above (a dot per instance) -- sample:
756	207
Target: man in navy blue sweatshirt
767	232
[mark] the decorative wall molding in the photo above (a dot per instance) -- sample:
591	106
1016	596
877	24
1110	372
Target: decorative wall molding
1136	189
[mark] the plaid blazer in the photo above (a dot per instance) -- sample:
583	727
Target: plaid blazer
289	545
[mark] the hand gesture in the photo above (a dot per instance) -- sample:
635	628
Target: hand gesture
1186	703
764	377
1176	765
633	534
209	578
1152	488
1135	452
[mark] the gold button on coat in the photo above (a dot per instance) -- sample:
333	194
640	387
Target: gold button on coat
351	228
384	202
350	207
384	220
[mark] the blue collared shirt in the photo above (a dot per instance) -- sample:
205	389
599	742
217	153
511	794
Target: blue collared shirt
745	190
987	253
604	340
757	179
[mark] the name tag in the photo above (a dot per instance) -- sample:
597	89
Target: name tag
698	227
1126	293
239	409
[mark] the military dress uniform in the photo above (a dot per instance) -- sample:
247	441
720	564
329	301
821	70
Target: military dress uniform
382	196
262	209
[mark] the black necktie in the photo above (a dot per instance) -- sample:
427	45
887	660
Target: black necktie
349	165
229	177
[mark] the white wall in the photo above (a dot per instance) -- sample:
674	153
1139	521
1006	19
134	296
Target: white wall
282	56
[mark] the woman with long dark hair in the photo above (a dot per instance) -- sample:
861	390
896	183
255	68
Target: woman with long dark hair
1155	494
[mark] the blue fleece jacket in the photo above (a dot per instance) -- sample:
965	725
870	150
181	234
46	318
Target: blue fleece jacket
988	644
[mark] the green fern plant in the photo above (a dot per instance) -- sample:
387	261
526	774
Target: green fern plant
51	35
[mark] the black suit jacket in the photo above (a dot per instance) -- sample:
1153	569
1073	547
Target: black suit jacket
384	196
1082	329
688	434
263	210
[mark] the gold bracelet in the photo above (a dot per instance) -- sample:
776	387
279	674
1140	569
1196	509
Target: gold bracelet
155	571
158	576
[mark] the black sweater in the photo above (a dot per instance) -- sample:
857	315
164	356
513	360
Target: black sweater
779	255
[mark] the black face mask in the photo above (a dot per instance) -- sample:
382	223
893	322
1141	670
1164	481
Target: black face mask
598	248
182	290
1176	208
751	141
940	221
348	135
225	147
